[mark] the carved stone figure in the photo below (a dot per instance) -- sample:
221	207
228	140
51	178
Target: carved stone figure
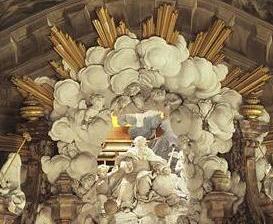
10	181
145	176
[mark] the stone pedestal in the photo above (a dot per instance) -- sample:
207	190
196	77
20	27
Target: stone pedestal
219	205
6	217
64	203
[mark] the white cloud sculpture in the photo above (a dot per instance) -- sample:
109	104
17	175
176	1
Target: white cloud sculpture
138	74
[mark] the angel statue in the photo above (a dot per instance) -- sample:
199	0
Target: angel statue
10	183
146	177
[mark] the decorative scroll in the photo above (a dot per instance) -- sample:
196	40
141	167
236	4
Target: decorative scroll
71	52
43	94
249	82
209	44
165	24
106	28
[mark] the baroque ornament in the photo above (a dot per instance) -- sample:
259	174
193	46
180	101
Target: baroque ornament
129	76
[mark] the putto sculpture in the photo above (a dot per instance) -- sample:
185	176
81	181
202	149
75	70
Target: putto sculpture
140	178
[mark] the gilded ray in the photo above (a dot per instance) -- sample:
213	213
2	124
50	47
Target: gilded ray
247	83
71	52
106	28
209	44
43	94
164	26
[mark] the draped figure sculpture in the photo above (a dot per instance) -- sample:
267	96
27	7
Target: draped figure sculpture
144	177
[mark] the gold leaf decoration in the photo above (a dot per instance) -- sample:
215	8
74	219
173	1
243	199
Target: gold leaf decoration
32	110
252	108
43	94
71	52
247	83
106	28
165	24
209	44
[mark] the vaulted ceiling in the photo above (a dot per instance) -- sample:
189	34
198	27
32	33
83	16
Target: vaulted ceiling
25	47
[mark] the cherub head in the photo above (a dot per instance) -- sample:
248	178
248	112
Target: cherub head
102	171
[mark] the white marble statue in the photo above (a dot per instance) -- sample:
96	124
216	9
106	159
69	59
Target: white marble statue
145	175
10	185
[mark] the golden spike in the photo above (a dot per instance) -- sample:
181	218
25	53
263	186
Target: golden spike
219	58
255	90
171	27
198	43
159	19
151	27
68	49
175	37
217	46
59	68
82	49
232	75
262	79
165	24
248	83
107	30
101	13
249	77
122	30
32	88
103	41
210	43
148	28
112	25
213	34
233	83
190	47
144	32
39	88
66	57
100	42
49	90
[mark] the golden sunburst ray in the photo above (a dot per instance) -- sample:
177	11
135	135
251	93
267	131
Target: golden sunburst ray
71	52
106	28
164	26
